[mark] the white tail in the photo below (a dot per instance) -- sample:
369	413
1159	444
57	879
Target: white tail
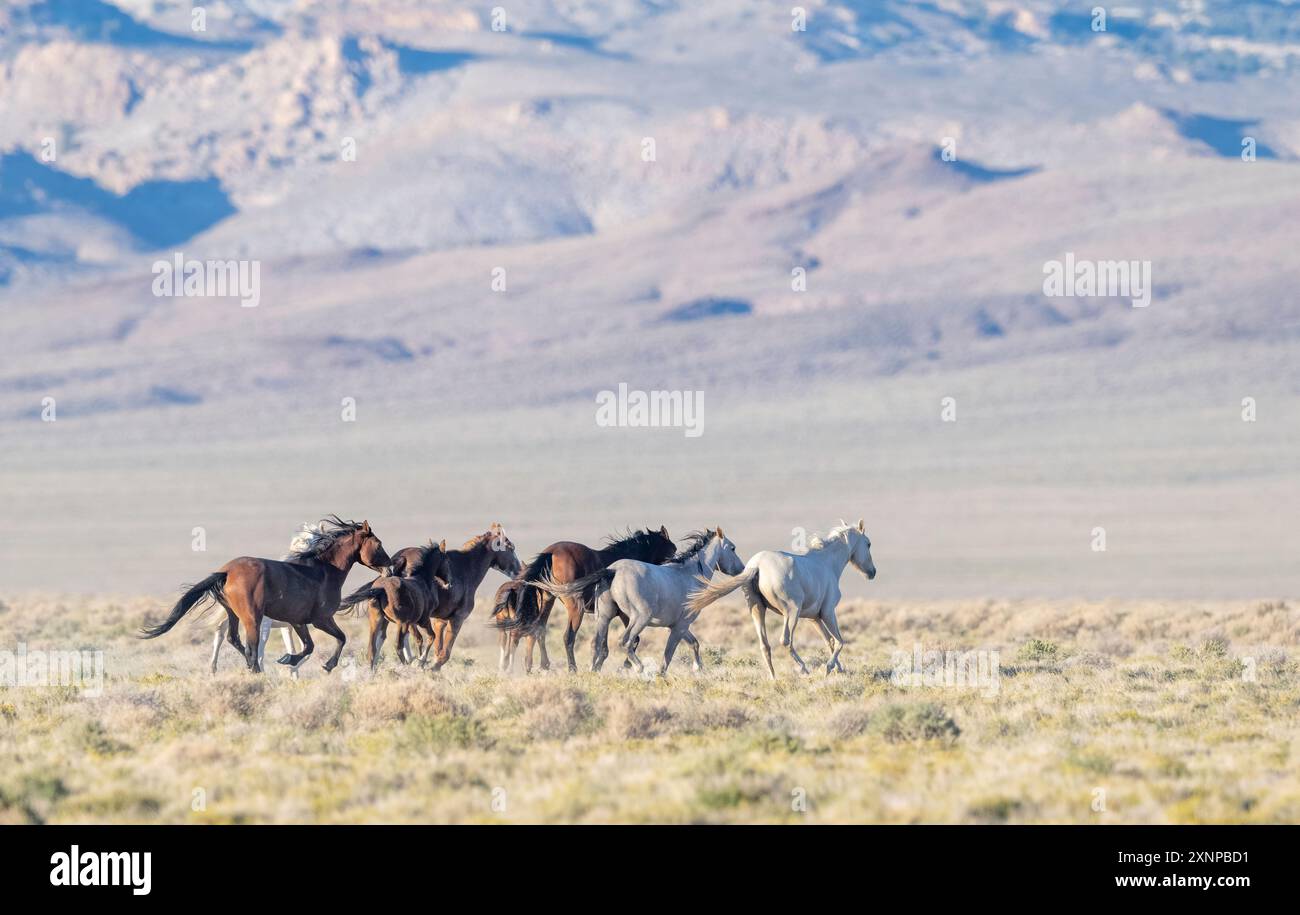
717	587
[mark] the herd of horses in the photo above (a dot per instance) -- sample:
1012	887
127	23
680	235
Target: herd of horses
427	593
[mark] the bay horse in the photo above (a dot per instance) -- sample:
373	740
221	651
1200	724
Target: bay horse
416	586
303	588
468	567
654	595
797	586
565	562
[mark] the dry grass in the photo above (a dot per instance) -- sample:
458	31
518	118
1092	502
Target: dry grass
1169	713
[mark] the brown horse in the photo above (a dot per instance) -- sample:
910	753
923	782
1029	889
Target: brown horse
302	588
416	588
469	566
565	562
505	606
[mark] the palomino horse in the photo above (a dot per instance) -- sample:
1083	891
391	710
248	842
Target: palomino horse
563	563
305	588
653	595
410	595
469	566
797	586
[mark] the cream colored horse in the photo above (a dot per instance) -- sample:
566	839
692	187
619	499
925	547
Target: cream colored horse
797	586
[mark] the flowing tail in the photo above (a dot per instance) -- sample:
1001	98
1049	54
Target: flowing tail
599	579
365	593
528	607
718	586
210	587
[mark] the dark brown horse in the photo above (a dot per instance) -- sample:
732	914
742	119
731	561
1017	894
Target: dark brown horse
302	588
469	566
565	562
416	587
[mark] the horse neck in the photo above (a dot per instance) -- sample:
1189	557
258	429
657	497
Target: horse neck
338	561
614	552
474	561
835	553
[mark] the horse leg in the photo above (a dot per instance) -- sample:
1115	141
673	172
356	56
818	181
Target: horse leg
623	619
422	629
539	630
695	647
573	604
327	624
674	636
600	644
758	612
449	639
217	639
528	651
378	629
263	636
232	631
292	660
791	612
503	651
253	646
831	627
632	638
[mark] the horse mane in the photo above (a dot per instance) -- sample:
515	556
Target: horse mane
839	532
697	541
644	545
313	540
475	541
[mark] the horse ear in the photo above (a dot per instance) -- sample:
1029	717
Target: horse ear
861	527
443	546
365	526
721	536
663	529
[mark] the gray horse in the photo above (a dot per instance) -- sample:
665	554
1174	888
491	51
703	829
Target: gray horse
652	595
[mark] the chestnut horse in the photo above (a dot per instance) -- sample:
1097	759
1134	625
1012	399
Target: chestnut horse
303	588
563	563
411	594
469	566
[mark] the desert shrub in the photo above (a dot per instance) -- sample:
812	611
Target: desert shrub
441	732
241	695
398	700
848	722
557	712
924	721
1037	650
626	721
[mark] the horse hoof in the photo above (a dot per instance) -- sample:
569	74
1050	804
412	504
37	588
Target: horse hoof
285	659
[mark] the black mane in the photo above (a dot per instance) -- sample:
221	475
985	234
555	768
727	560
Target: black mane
644	546
696	541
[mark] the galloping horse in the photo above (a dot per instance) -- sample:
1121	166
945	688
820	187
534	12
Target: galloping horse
653	595
468	567
563	563
797	586
304	588
416	587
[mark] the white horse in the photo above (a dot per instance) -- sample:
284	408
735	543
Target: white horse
797	586
223	629
652	595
